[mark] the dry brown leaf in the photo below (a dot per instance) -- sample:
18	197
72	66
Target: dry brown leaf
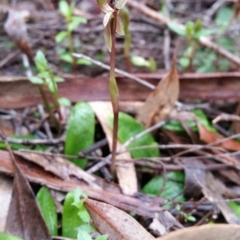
211	137
161	101
16	29
60	167
126	171
205	232
116	223
24	217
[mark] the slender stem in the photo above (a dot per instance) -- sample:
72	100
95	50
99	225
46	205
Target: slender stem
114	94
70	46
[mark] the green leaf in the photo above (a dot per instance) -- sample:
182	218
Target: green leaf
58	79
64	9
174	125
177	29
36	80
75	22
139	61
40	61
80	131
6	236
47	207
60	36
64	102
235	207
82	61
224	16
184	62
103	237
129	127
67	57
203	32
174	185
16	146
70	219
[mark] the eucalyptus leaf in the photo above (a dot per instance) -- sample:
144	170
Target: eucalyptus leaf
47	207
80	131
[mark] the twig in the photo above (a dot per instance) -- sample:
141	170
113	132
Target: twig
123	73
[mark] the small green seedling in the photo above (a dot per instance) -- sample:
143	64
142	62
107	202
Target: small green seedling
192	32
72	23
187	217
46	77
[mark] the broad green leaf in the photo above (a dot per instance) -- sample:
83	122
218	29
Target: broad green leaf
6	236
174	185
64	102
177	29
80	131
60	36
36	80
40	61
47	207
75	22
129	127
64	8
70	219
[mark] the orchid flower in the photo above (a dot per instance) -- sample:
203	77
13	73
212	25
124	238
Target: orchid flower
111	8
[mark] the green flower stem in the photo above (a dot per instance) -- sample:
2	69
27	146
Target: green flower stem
51	115
113	90
56	95
70	46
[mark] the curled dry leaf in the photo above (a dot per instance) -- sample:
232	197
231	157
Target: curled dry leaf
24	217
161	101
116	223
205	232
212	137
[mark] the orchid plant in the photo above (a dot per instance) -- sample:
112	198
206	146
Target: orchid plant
112	23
